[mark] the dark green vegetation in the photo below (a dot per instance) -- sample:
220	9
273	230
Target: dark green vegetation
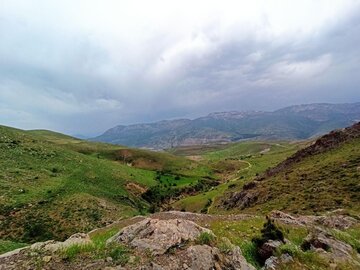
319	178
294	122
52	185
269	232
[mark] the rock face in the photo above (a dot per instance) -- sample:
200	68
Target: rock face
202	257
159	235
173	243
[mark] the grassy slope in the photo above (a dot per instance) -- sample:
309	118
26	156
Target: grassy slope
254	157
52	185
318	183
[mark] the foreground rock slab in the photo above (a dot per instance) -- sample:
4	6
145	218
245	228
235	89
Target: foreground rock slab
159	235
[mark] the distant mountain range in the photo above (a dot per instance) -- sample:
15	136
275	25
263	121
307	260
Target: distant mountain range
294	122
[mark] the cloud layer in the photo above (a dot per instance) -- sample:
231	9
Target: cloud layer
85	66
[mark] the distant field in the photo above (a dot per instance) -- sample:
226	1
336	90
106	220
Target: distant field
252	157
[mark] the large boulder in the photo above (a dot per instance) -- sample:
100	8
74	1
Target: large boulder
159	235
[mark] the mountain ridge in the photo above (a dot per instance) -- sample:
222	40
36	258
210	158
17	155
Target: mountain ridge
293	122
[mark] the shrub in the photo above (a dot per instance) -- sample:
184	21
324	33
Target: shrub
205	238
269	232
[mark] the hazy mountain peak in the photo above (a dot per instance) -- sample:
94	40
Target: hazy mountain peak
293	122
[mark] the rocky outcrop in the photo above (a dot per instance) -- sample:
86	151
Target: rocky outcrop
241	199
321	240
159	235
332	221
340	222
174	243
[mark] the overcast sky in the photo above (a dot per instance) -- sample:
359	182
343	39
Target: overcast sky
83	66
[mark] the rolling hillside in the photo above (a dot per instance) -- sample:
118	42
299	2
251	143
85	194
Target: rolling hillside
322	177
294	122
52	185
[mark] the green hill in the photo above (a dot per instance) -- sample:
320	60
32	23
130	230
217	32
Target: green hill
237	163
321	177
53	185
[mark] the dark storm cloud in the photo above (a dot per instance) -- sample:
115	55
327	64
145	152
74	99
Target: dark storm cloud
86	66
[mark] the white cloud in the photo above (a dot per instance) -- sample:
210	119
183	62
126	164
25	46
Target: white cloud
295	71
146	59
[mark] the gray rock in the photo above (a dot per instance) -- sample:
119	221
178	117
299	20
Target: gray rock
326	242
286	258
271	263
268	249
158	235
53	246
202	257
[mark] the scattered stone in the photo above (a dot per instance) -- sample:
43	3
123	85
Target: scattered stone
271	263
46	259
132	259
286	258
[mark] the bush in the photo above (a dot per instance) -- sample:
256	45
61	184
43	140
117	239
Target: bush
269	232
290	249
205	238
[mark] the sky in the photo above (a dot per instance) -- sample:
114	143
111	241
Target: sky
81	67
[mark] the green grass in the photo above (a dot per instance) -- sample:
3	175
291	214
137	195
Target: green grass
65	185
205	238
98	249
350	236
317	184
6	246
